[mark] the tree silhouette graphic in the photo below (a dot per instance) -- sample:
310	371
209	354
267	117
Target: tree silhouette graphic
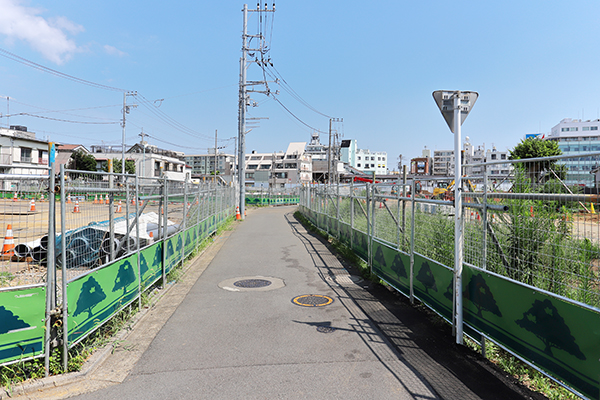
544	321
143	265
170	250
157	256
449	293
398	266
379	257
425	276
90	295
10	322
125	277
188	240
179	243
478	292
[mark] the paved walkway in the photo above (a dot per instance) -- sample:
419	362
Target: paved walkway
227	342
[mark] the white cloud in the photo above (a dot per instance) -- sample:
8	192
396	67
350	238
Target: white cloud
46	36
113	51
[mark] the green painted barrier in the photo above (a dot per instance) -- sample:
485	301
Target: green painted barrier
22	312
559	337
95	297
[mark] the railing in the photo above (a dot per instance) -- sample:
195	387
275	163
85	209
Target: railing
531	251
112	237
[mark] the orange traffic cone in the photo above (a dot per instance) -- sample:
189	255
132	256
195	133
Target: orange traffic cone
106	201
15	198
42	197
133	201
69	199
237	213
76	208
141	203
151	237
96	199
8	249
32	205
119	209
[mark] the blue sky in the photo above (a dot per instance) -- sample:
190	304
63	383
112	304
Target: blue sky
373	64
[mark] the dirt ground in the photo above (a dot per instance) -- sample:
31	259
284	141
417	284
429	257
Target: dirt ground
29	226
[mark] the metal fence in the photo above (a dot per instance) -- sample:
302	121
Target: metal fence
530	249
79	248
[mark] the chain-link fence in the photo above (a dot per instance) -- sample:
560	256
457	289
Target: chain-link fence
78	248
529	247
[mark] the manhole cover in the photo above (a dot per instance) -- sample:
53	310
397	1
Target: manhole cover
252	283
312	300
325	329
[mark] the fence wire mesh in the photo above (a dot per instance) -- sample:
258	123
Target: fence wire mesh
548	235
24	214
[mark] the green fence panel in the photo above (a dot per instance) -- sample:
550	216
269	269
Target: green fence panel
345	234
190	240
22	313
557	336
95	297
432	284
360	245
150	264
392	266
173	245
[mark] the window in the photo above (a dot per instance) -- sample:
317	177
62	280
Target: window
25	154
372	158
493	156
593	128
290	165
503	156
358	165
252	166
378	158
359	157
372	165
265	166
255	157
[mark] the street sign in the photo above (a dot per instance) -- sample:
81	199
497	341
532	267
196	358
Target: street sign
445	102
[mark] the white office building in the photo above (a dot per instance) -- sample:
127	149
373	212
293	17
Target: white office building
578	137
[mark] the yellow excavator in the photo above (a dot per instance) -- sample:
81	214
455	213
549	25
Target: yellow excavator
445	191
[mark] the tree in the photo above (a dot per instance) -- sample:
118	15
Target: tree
125	277
479	293
425	276
91	294
398	266
379	257
81	161
117	166
10	321
544	321
540	171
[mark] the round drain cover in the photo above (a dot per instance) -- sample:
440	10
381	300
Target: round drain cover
312	300
252	283
325	329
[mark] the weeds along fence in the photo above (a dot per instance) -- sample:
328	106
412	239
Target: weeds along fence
531	252
79	248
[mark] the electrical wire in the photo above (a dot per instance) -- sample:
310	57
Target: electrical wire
54	72
64	120
170	121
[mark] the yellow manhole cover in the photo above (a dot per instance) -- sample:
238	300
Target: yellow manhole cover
312	300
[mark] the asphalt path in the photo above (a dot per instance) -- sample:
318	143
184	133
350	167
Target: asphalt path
229	342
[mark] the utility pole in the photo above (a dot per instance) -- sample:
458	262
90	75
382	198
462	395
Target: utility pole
244	100
143	143
332	155
125	111
215	156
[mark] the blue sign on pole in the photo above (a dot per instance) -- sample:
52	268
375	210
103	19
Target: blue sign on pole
51	152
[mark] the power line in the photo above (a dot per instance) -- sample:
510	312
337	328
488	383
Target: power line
62	120
54	72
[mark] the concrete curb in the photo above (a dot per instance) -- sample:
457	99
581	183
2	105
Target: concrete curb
102	354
